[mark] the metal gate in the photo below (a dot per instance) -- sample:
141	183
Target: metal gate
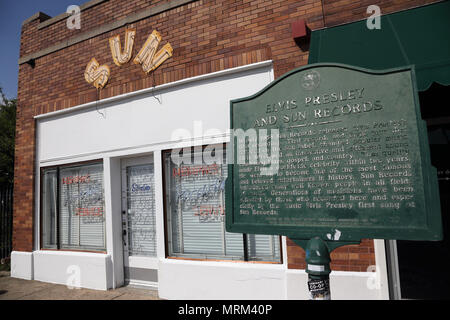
6	216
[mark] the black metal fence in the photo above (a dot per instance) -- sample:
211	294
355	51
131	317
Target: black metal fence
6	217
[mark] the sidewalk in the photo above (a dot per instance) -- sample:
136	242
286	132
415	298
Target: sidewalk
18	289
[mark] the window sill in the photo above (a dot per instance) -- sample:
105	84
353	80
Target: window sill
224	260
71	251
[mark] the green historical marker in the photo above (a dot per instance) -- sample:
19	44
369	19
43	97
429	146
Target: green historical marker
353	158
333	153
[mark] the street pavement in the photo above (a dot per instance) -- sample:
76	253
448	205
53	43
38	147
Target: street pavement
18	289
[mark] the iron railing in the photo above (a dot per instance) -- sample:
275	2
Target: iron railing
6	217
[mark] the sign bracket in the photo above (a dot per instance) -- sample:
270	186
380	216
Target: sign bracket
318	264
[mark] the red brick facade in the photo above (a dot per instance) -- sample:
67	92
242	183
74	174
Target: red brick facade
206	36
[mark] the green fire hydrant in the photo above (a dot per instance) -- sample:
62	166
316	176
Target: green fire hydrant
318	269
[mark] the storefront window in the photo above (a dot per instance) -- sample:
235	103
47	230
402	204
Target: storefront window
195	204
73	208
49	205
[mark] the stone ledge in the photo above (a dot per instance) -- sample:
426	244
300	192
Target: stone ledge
37	16
64	15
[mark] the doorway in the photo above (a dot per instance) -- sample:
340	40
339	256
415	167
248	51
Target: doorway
424	265
138	221
420	269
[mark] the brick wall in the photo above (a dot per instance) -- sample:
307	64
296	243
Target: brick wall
206	36
346	258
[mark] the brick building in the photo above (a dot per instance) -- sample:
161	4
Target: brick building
92	152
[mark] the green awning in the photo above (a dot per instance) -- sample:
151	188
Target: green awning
419	37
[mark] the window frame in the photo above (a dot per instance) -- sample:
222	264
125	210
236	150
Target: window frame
167	228
58	193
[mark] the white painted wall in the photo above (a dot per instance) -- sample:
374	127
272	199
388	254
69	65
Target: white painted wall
22	265
204	280
66	267
238	280
343	286
113	217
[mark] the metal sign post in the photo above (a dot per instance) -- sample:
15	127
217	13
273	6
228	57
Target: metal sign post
318	269
318	265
